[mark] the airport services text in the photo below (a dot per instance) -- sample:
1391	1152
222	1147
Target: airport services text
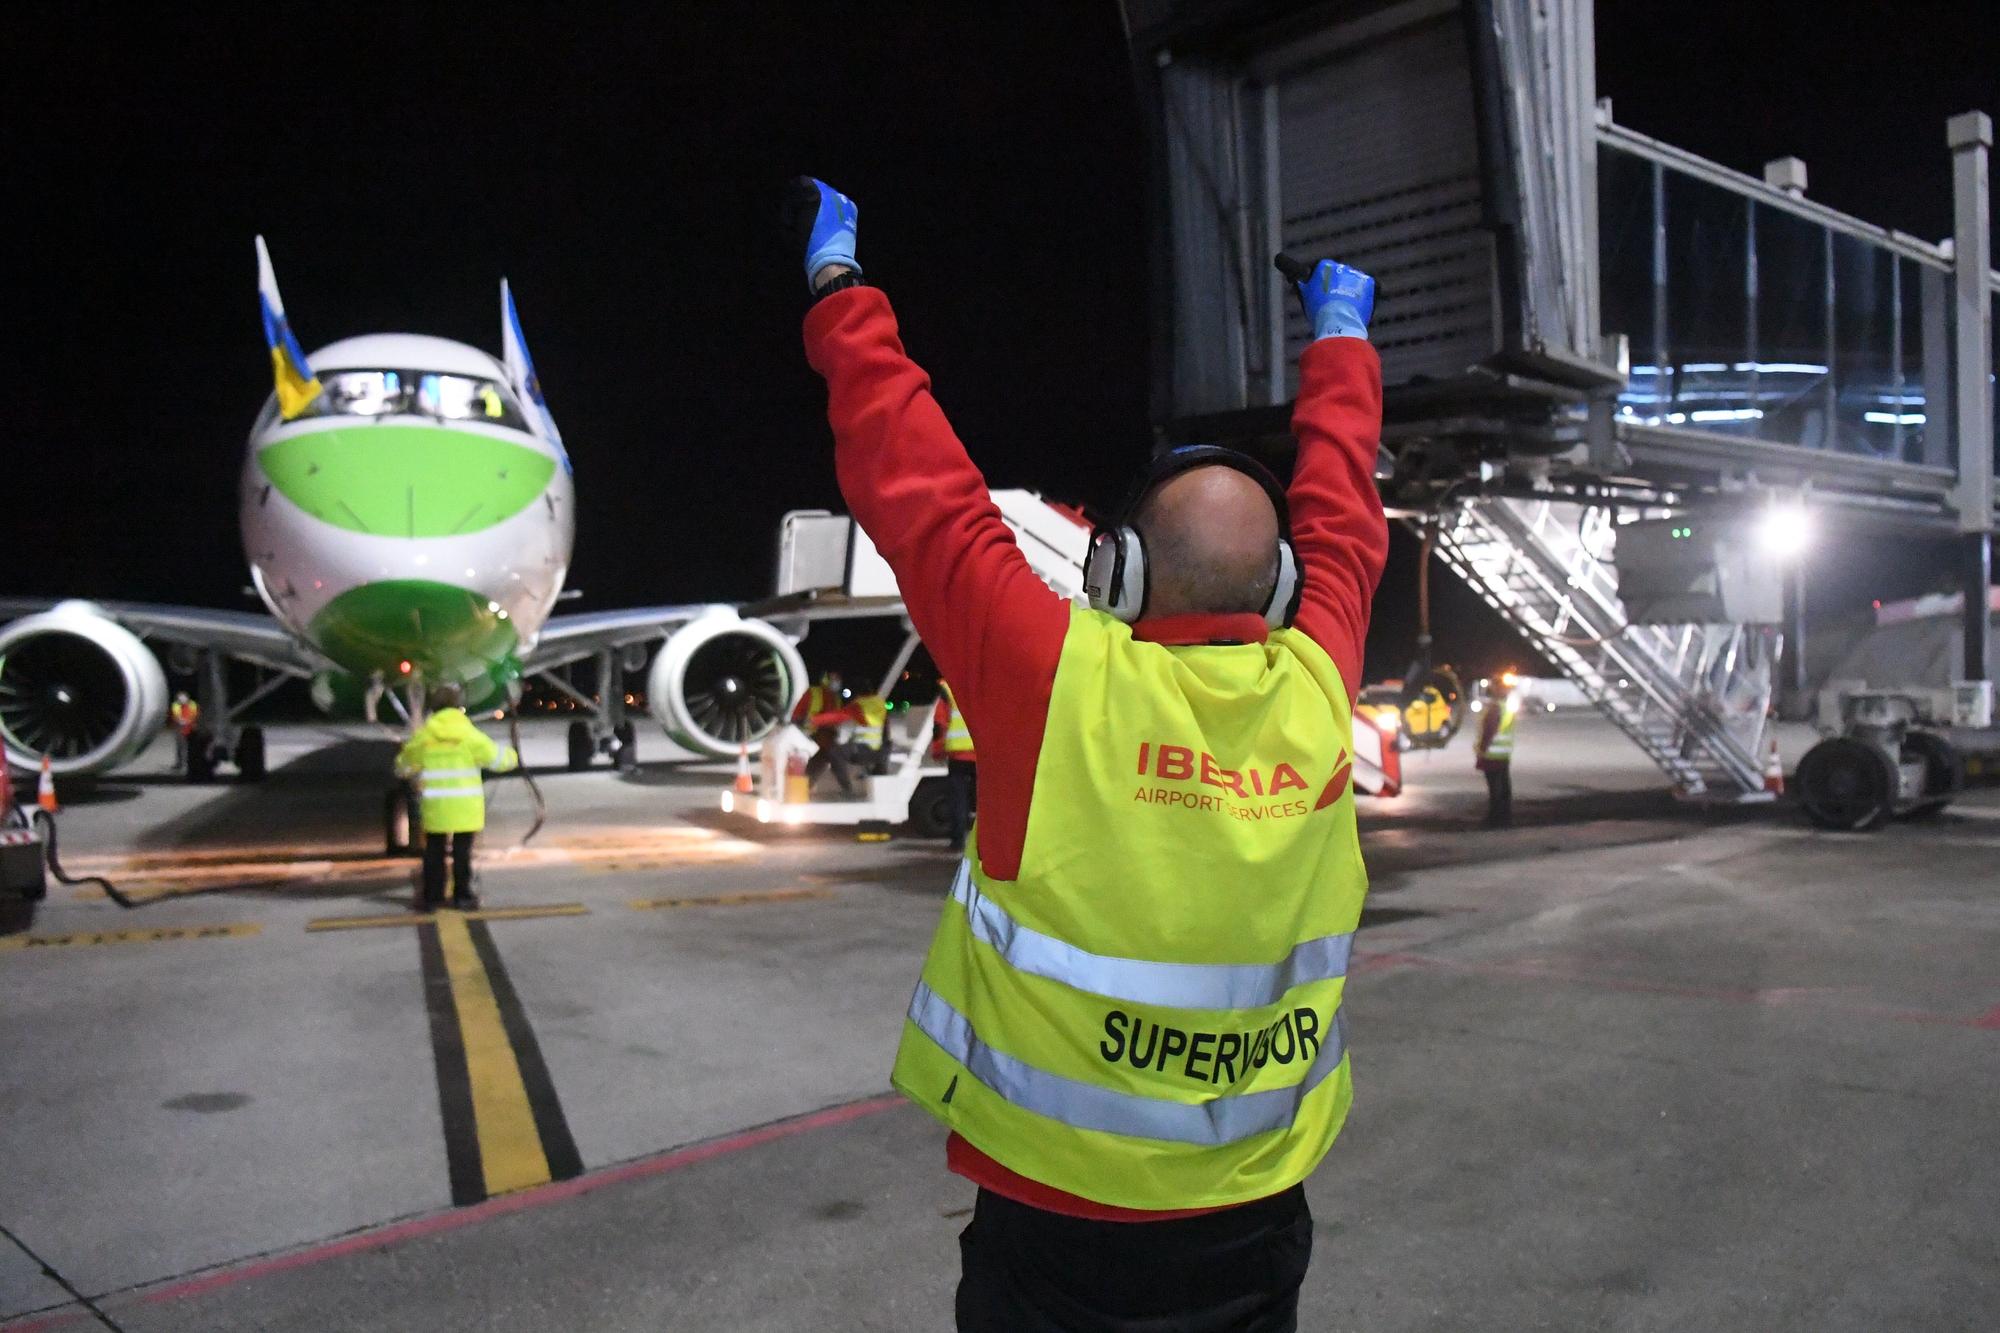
1197	768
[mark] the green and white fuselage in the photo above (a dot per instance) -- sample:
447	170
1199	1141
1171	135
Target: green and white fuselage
408	515
415	522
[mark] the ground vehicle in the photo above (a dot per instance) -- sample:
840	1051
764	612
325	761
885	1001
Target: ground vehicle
911	792
1896	752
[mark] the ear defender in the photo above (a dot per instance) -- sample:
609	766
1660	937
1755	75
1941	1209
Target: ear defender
1114	573
1114	570
1285	593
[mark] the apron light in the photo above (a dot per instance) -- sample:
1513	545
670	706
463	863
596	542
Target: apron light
1785	530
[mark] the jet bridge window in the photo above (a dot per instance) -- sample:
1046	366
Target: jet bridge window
382	393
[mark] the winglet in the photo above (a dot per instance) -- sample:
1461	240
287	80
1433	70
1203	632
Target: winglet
520	369
296	384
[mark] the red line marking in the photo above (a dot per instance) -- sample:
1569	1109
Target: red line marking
1373	961
542	1195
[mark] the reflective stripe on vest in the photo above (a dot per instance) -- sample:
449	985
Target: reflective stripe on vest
1086	1106
1171	985
1148	1012
957	736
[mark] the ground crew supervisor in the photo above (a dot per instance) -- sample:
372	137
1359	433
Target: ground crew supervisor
447	756
1131	1015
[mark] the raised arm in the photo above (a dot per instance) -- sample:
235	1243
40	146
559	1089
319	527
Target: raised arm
1337	523
991	625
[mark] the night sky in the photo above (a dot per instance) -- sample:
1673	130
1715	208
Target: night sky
623	171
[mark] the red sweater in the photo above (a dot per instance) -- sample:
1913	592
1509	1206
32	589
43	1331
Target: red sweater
995	629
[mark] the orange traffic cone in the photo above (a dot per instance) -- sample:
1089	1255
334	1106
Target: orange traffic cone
1774	769
45	790
743	783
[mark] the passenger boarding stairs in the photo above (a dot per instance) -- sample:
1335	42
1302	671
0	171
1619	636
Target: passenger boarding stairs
1693	697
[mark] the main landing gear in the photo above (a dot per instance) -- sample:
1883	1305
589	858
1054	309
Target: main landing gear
608	731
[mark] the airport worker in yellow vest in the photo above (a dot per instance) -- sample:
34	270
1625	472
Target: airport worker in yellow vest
1130	1017
871	732
1493	752
951	741
447	757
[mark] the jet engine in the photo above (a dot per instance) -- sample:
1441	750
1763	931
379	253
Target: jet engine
721	681
78	687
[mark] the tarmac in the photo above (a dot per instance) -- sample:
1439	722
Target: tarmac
1629	1065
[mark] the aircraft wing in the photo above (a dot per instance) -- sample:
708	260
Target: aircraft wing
243	635
573	638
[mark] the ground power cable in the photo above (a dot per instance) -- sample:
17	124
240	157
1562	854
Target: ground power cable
46	822
527	774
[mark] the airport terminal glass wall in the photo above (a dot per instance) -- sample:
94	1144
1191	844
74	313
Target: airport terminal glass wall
1748	319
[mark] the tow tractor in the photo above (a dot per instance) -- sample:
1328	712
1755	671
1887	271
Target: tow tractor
911	792
1896	753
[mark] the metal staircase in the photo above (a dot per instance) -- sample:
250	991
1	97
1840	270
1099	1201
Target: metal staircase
1693	697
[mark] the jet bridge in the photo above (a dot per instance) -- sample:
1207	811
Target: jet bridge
1586	334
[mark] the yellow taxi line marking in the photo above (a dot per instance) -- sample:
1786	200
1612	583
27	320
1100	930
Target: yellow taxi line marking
235	931
510	1146
730	899
425	918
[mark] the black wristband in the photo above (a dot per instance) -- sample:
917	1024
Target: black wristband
840	283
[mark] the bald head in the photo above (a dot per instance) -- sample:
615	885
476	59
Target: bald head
1211	543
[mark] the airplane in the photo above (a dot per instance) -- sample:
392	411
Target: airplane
407	512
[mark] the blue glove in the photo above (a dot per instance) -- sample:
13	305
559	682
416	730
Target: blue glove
1338	300
824	220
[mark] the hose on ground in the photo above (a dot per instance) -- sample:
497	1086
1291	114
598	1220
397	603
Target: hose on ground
528	776
44	821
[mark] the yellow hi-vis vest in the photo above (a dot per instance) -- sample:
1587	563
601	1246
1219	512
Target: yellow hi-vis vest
874	717
1502	744
1149	1015
957	736
445	756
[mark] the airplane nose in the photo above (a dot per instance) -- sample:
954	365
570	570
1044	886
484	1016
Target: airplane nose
398	480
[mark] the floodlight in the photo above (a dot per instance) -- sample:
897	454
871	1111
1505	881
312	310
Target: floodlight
1785	530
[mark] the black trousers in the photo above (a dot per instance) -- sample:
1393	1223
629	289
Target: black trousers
831	753
1026	1270
461	865
963	774
1500	795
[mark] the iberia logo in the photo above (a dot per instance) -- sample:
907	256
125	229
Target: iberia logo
1343	772
1259	792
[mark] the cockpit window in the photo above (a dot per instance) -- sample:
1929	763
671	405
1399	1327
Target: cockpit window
384	393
